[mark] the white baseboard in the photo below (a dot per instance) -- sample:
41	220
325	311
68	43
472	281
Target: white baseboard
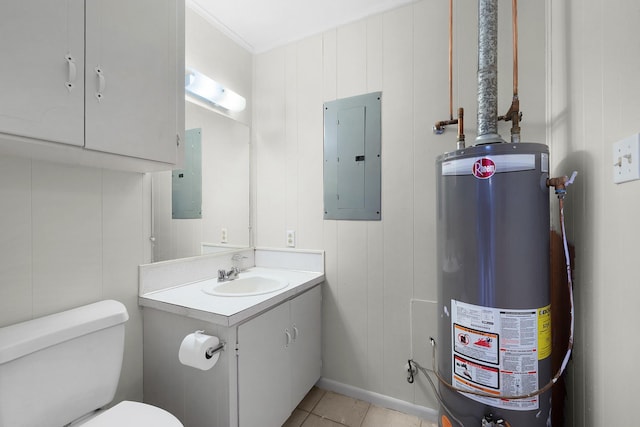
423	412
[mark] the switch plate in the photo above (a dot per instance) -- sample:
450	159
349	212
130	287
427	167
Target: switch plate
223	235
291	238
626	159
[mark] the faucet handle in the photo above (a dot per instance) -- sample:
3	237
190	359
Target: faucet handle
222	274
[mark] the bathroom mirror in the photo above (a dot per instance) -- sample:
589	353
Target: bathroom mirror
224	224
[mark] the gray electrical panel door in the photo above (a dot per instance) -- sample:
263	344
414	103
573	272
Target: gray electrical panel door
186	185
352	161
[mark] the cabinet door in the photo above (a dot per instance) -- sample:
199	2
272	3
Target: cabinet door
131	75
264	392
306	351
41	91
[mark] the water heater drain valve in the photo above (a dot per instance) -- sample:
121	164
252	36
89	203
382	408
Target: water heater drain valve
489	421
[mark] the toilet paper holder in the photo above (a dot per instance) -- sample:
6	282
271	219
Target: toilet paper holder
213	350
209	353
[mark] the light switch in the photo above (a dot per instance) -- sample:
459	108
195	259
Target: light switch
626	159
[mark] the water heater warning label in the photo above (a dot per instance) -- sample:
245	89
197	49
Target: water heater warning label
495	351
477	373
479	345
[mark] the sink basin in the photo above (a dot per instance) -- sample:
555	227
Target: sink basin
245	286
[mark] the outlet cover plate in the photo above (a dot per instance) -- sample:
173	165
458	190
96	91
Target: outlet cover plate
626	159
291	238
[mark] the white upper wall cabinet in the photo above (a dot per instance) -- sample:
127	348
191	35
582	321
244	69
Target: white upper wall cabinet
42	70
131	78
107	76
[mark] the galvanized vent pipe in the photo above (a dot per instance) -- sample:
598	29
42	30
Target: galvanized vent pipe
488	72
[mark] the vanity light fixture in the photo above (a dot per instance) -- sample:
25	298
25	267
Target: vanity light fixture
206	89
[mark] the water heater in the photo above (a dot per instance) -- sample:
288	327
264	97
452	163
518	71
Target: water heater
493	284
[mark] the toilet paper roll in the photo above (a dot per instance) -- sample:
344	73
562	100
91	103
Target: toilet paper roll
193	351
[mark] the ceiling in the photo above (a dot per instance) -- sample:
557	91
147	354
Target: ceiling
261	25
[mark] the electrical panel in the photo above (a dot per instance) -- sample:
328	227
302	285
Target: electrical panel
352	158
186	185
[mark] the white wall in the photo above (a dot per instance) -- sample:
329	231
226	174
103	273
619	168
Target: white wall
375	269
594	102
72	236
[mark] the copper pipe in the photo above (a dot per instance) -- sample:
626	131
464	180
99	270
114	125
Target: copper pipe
439	126
451	59
515	105
513	109
461	143
515	120
514	13
513	114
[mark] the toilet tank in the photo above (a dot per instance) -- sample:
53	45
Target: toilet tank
57	368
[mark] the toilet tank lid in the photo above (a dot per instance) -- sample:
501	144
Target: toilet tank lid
33	335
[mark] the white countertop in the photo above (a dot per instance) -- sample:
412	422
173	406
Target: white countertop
189	300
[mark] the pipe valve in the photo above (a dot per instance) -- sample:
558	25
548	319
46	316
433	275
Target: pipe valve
561	183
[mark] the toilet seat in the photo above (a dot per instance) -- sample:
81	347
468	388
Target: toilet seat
133	414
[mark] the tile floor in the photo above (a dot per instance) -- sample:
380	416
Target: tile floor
321	408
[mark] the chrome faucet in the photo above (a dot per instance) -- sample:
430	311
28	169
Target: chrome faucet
224	275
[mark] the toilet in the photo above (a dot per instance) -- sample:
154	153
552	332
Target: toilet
60	370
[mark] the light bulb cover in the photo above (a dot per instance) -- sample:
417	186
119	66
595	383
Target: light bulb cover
206	89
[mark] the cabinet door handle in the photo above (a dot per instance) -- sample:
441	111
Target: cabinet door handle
295	333
101	82
72	72
288	336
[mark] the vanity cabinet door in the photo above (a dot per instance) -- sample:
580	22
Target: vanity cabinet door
42	70
279	360
264	390
306	350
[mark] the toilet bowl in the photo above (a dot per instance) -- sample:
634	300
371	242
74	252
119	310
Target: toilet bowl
61	369
131	414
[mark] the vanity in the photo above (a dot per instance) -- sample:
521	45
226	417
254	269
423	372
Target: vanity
269	318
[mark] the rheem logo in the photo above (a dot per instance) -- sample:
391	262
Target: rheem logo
484	168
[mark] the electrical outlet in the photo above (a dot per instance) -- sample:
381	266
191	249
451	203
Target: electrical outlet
223	235
626	159
291	238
